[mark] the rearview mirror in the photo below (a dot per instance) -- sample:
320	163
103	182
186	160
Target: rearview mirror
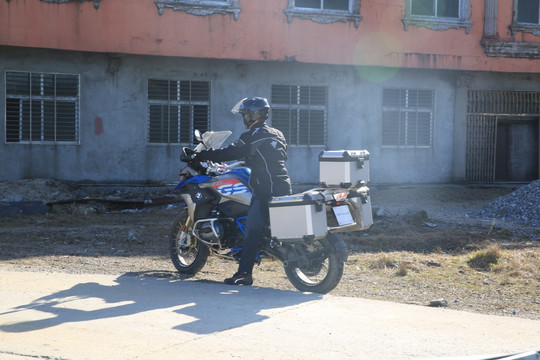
198	135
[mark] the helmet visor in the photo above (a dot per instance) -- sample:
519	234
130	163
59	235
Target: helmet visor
236	108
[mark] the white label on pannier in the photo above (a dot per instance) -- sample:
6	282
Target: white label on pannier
343	215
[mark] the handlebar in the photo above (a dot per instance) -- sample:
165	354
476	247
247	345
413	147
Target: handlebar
236	164
189	156
220	168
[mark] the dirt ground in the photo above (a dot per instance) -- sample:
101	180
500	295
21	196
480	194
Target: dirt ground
423	248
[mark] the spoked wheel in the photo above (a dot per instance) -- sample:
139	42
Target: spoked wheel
321	274
188	254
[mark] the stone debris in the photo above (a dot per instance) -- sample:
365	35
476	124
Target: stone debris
134	236
520	206
38	196
438	303
45	190
23	207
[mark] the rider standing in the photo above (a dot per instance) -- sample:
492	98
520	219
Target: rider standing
264	150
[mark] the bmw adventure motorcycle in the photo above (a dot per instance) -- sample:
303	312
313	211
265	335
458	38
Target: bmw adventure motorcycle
217	197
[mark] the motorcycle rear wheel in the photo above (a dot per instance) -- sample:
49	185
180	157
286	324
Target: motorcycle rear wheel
320	277
187	253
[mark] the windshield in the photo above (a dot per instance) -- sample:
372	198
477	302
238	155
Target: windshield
213	140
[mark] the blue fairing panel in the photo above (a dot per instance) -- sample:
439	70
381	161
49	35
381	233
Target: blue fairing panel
196	179
243	172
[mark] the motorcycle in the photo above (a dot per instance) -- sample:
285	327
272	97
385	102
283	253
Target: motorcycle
217	197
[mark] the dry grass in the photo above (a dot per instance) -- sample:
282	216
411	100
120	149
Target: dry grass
511	287
485	259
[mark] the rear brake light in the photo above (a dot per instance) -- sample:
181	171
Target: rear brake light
340	196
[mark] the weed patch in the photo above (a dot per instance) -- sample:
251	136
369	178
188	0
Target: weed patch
485	259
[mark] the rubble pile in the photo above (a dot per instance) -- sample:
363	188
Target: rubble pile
521	206
45	190
30	196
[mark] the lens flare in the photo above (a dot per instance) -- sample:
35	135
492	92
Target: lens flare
377	56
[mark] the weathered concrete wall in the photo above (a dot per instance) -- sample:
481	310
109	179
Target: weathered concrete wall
120	151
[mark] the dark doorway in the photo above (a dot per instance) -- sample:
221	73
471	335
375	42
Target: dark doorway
516	157
503	136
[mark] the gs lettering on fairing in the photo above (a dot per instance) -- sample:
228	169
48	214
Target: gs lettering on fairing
230	187
233	185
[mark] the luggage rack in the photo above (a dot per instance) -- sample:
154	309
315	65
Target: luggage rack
341	203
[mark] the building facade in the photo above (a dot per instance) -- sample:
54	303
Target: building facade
109	91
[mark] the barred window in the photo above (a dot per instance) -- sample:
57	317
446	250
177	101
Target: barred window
176	109
41	107
300	112
407	118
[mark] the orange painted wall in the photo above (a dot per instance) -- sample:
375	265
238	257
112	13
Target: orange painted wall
505	9
260	33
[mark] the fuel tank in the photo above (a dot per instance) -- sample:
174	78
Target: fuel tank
232	185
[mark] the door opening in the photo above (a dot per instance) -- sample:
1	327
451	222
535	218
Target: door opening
516	157
503	136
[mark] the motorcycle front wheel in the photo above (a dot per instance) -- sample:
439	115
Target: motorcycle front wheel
188	254
323	273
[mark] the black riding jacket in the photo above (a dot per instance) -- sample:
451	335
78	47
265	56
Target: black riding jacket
264	150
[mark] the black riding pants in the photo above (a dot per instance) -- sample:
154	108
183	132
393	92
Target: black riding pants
258	215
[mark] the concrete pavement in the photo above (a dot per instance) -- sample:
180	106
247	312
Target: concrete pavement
75	317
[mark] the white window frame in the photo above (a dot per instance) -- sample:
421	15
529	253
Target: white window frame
325	16
96	2
521	26
439	23
404	114
31	98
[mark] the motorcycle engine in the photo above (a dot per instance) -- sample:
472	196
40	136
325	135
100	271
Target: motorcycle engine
210	230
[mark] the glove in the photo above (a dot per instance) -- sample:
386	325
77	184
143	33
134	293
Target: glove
188	155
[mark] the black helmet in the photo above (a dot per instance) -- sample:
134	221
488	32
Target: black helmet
253	109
